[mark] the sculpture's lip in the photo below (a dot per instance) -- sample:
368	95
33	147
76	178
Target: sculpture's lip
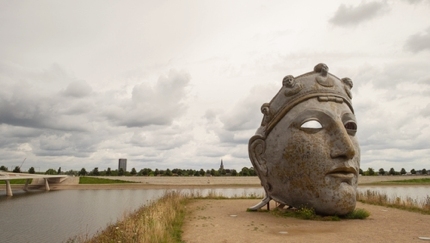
344	173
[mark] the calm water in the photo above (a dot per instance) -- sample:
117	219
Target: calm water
56	216
418	193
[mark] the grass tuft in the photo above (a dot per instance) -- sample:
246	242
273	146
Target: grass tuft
358	213
409	204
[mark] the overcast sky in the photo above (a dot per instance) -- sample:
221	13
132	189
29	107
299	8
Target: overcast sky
179	84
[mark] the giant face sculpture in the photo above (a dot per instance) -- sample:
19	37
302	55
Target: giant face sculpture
305	152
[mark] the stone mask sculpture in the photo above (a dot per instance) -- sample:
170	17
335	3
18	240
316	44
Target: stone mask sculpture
305	151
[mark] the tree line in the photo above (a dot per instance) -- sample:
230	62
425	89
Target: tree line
381	171
190	172
143	172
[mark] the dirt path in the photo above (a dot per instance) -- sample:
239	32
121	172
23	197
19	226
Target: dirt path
227	221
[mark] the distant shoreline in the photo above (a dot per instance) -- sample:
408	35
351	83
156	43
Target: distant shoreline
144	182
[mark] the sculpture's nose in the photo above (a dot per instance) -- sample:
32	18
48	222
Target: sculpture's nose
341	143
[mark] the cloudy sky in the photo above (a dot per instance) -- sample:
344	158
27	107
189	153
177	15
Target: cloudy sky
179	84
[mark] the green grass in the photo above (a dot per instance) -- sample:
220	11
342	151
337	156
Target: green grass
93	180
16	181
358	213
409	182
421	181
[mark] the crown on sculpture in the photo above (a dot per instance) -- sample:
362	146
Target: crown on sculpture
318	83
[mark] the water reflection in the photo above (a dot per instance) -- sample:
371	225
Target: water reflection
418	193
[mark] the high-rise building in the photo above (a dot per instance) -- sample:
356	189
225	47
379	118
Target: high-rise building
122	163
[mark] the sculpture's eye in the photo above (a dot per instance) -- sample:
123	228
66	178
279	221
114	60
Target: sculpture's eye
311	126
351	128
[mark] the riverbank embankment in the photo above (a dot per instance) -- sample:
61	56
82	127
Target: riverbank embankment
236	180
170	182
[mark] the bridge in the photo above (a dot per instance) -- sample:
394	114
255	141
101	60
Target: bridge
8	176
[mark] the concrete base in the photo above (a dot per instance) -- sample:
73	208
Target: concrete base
8	189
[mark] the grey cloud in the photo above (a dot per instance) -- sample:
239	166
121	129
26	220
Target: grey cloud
240	123
34	99
74	144
211	115
417	1
235	137
418	42
160	140
158	105
31	110
73	121
241	151
390	77
380	128
246	113
390	116
78	89
46	112
78	107
426	111
12	136
211	151
349	15
10	132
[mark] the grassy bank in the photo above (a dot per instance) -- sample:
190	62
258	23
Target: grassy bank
409	204
161	221
93	180
421	181
408	182
16	181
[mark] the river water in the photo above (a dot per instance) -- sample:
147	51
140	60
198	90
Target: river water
57	216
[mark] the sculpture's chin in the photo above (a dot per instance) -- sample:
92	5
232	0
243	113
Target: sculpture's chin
334	199
340	201
341	208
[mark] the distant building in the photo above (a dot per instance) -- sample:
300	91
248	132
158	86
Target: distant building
122	163
221	167
226	172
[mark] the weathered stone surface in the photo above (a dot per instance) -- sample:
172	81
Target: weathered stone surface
305	151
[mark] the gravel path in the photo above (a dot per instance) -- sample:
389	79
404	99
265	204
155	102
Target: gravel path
227	221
